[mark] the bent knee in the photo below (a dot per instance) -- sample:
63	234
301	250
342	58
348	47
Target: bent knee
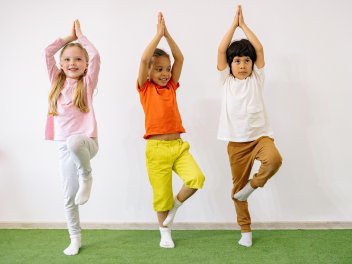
275	163
196	182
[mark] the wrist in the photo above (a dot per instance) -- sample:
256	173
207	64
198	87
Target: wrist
235	25
73	38
243	25
159	36
68	39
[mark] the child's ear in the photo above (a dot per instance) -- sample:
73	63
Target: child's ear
148	75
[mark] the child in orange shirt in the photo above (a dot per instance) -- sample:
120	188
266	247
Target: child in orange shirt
165	151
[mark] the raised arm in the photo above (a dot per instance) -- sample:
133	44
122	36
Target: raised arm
149	50
253	40
177	54
225	42
94	57
51	50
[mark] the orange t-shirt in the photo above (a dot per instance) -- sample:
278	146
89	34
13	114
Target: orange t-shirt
160	108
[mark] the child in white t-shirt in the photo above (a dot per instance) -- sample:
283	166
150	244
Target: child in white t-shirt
243	120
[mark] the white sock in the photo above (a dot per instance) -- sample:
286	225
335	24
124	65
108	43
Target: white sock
246	239
82	196
74	246
166	239
171	215
243	194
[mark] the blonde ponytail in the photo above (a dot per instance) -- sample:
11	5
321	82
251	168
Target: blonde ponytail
55	93
79	96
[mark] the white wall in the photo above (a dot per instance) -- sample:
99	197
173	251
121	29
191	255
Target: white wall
308	95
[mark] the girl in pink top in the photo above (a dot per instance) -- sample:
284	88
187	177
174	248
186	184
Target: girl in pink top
71	121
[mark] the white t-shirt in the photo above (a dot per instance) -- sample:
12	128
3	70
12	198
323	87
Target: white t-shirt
243	116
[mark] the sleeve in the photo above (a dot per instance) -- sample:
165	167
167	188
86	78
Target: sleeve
143	88
171	84
93	64
259	74
223	75
50	51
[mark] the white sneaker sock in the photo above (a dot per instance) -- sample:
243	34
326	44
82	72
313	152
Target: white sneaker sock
74	247
243	194
171	215
85	186
166	239
246	239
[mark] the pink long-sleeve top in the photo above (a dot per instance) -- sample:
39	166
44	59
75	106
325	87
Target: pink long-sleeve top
70	120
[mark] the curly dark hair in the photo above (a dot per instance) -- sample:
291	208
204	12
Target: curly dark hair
158	53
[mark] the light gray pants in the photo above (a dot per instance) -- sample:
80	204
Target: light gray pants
75	154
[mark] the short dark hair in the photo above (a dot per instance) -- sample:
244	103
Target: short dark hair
158	53
240	48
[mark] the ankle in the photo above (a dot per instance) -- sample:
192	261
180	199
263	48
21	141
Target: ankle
246	239
74	246
177	202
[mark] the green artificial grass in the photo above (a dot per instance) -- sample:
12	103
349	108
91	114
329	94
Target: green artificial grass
201	246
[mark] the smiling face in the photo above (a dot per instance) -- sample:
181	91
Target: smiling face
74	62
241	67
160	70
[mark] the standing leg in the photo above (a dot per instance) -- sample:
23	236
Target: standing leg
241	165
82	149
70	188
160	176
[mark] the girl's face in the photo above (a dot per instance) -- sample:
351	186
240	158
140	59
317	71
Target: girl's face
160	70
73	62
241	67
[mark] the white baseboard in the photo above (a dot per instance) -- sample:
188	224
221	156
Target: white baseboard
184	226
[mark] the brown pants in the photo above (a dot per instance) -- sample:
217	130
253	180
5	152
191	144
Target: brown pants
242	156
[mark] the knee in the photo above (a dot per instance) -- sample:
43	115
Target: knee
69	202
275	163
196	182
271	166
163	203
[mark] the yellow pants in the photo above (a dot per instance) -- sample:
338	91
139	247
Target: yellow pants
163	157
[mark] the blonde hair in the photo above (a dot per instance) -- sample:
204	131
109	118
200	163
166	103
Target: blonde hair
79	95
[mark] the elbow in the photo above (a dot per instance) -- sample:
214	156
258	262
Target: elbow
96	57
145	61
259	50
47	52
222	51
